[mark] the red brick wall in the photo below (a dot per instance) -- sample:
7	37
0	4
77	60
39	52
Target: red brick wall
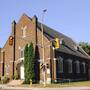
7	58
0	63
20	43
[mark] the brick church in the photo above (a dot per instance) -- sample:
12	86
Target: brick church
69	62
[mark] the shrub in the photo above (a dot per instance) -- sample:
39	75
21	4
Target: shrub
15	76
4	79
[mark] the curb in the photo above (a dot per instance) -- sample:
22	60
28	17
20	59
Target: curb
14	87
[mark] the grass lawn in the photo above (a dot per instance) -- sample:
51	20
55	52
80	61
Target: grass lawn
71	84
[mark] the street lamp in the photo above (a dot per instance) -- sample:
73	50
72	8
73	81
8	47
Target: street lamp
44	82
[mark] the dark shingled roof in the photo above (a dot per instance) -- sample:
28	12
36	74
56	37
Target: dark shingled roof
68	46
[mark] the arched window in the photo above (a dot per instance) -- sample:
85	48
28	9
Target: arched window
77	66
69	66
24	31
60	64
22	53
83	67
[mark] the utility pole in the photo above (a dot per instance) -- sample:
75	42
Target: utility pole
44	80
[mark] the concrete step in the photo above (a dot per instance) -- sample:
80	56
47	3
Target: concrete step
15	82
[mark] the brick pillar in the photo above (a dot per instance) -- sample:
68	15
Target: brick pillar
37	56
48	71
35	20
3	64
0	64
14	36
0	54
53	65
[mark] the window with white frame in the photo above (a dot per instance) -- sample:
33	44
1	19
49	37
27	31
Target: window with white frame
60	64
22	53
24	31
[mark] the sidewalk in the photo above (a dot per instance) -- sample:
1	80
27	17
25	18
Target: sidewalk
5	86
46	88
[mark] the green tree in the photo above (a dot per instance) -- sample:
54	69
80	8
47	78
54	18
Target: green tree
29	63
26	81
85	46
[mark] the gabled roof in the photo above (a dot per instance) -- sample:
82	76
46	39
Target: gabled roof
69	46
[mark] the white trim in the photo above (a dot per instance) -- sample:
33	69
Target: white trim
41	81
2	51
48	80
40	60
22	72
19	48
61	41
48	71
24	31
21	59
1	61
53	48
54	59
21	53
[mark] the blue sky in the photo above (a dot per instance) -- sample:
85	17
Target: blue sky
71	17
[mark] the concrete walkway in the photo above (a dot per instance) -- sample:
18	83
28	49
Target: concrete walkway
32	88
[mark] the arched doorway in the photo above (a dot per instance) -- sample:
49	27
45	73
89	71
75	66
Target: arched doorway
22	71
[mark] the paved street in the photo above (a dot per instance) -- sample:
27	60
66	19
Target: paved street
24	88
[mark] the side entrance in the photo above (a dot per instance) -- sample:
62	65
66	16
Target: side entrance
22	72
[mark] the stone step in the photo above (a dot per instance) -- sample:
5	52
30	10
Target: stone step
15	82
